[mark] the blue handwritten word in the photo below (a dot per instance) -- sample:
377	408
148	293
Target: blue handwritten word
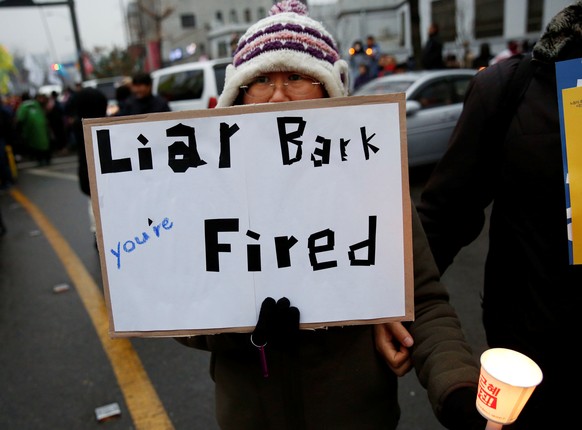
131	245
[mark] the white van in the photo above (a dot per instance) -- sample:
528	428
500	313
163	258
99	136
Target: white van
189	86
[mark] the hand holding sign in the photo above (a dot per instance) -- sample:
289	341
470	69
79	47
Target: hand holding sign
278	324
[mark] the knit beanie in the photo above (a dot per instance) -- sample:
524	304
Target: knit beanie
286	41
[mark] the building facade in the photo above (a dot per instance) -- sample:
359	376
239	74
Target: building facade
464	24
190	30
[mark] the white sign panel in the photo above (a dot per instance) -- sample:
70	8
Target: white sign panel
203	214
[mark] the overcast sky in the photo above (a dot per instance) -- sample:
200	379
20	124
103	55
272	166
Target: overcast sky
49	30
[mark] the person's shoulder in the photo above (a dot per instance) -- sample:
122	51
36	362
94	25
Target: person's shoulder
160	99
162	103
24	106
500	71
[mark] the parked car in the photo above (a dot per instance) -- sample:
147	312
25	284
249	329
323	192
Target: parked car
108	86
195	85
434	101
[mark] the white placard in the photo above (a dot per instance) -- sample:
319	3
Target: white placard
203	214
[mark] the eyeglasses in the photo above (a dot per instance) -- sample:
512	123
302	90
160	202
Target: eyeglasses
294	84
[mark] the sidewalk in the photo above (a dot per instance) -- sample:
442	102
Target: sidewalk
60	158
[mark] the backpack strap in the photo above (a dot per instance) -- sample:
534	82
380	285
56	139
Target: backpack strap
514	91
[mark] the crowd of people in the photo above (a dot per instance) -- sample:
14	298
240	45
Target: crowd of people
40	126
368	62
37	128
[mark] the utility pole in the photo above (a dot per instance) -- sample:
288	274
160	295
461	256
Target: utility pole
78	45
71	4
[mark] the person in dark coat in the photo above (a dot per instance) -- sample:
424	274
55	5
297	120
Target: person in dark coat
56	119
6	138
89	103
142	100
531	293
432	53
333	377
122	94
482	60
363	76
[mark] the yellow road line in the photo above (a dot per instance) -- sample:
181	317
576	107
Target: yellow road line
145	407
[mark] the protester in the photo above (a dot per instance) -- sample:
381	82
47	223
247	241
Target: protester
467	57
89	103
531	292
364	76
142	100
373	52
6	137
482	60
432	53
511	50
122	94
387	65
32	127
334	377
70	108
357	58
452	62
55	113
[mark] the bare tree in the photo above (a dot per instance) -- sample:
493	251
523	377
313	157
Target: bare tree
415	31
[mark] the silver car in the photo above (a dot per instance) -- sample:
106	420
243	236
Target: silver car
434	101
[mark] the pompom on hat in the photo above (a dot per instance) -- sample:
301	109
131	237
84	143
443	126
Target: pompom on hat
286	41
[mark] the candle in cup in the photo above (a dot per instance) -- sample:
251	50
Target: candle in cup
507	380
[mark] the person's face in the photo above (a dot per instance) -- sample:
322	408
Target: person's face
141	90
278	87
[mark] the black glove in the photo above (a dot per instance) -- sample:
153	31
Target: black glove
278	324
460	411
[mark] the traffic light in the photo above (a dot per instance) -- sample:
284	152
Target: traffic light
57	67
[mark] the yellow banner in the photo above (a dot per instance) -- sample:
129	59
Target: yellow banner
572	104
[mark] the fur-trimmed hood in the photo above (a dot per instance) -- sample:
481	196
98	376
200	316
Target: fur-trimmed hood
562	38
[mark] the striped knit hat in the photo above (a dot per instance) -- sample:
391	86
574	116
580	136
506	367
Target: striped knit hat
286	41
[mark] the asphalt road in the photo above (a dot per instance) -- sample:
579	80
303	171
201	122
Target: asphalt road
57	362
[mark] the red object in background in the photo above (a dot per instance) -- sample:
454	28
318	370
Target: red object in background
87	64
153	56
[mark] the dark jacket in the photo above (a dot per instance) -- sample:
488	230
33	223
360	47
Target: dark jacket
531	293
89	103
432	53
335	379
148	104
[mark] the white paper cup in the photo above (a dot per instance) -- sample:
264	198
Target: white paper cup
507	380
